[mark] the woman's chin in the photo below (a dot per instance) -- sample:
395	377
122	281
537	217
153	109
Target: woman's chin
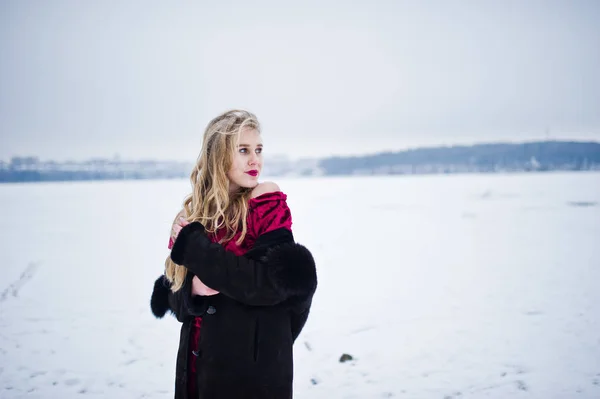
252	182
248	184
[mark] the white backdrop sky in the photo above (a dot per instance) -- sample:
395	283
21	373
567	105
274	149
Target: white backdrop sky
142	78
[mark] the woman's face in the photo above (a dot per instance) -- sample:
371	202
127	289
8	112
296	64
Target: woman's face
247	161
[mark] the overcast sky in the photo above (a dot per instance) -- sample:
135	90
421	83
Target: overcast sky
81	79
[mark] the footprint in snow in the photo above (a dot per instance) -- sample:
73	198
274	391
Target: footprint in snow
129	362
456	394
534	313
14	288
522	385
72	381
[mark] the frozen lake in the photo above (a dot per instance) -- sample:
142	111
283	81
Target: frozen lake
461	286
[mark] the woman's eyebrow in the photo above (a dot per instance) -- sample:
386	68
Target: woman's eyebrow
248	145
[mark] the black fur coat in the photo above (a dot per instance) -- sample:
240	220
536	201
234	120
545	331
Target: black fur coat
248	330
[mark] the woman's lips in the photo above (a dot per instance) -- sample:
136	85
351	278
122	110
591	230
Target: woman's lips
252	172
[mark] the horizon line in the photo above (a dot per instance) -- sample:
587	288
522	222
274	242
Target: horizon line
354	155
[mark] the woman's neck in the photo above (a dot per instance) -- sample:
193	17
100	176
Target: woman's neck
233	189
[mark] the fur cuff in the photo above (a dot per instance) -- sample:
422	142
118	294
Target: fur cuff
292	269
159	302
182	241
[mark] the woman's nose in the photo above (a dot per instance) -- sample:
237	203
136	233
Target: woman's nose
253	159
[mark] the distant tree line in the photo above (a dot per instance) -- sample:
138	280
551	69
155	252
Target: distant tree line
481	158
8	176
535	156
31	169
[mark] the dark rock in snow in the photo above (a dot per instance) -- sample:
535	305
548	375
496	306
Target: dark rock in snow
345	357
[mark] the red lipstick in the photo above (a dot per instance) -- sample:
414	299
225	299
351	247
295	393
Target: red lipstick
252	172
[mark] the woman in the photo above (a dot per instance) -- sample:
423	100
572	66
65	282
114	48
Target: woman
235	278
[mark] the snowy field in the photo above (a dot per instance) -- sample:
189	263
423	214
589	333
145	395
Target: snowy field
463	286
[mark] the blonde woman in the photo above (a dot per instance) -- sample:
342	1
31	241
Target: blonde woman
235	278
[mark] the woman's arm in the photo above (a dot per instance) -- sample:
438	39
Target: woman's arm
286	270
187	301
298	319
182	304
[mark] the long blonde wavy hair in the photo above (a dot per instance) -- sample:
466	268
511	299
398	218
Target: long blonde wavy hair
210	201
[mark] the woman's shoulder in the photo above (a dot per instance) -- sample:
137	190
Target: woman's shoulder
269	209
267	187
266	192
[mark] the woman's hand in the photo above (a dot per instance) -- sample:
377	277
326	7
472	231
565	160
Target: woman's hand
199	288
181	223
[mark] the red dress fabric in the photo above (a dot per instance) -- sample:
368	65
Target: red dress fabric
266	212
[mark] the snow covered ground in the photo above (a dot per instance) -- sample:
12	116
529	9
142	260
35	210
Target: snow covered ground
462	286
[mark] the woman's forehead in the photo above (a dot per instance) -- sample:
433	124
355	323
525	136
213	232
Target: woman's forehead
249	136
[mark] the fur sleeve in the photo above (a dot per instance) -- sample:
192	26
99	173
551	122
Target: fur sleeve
181	303
287	269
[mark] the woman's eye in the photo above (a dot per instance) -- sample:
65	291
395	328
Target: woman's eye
243	150
258	150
